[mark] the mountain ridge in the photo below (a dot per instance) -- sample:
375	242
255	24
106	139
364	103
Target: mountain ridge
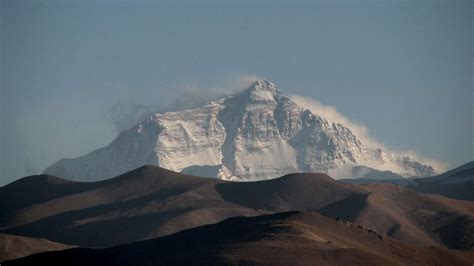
256	134
155	202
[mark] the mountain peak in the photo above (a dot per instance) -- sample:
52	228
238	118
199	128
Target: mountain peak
263	85
261	90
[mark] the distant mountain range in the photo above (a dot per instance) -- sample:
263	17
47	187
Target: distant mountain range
256	134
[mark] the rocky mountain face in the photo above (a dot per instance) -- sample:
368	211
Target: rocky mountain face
259	133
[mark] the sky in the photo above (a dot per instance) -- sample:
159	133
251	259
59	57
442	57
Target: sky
74	73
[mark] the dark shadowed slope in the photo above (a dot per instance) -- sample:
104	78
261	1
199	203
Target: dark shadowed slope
290	238
12	247
150	202
457	183
464	171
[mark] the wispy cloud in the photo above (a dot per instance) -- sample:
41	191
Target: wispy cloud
126	113
361	131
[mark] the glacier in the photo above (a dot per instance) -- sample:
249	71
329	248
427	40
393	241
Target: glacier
258	133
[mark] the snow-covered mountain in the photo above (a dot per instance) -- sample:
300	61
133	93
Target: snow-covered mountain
259	133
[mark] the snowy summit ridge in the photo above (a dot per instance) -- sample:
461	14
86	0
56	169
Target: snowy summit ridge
258	133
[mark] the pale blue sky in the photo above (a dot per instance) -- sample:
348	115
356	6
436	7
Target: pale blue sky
402	68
